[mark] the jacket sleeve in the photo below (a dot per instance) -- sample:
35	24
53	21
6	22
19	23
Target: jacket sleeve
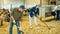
12	13
38	11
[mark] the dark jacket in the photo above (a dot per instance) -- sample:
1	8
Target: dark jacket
16	14
33	9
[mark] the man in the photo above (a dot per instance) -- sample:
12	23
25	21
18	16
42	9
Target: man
16	16
34	12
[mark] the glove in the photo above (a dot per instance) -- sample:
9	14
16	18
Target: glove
14	21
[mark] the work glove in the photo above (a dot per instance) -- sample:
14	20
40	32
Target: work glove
14	22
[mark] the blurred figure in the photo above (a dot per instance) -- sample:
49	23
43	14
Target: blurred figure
16	16
34	12
57	9
53	5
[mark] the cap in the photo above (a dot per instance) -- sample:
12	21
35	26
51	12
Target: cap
22	6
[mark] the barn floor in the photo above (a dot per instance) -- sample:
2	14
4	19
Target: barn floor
54	27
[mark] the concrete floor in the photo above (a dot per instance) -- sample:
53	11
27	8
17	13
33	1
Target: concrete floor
54	25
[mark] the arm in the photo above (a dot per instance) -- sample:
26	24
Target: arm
12	18
38	11
38	14
12	15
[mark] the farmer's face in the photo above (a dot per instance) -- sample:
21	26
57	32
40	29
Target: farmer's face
20	9
37	6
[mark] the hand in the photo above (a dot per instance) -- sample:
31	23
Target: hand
14	21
